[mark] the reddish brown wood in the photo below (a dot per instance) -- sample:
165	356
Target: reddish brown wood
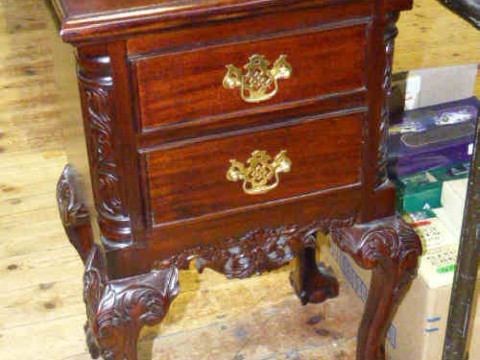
247	28
195	183
118	309
337	65
207	127
300	210
160	130
311	282
89	20
74	213
96	92
259	251
389	34
390	247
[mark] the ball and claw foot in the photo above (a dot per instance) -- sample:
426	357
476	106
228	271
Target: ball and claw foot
312	283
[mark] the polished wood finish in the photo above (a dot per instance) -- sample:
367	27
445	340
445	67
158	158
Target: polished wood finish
389	247
196	185
312	283
74	213
161	129
117	310
89	20
335	66
42	294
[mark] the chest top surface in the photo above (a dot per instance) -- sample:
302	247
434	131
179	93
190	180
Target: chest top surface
87	20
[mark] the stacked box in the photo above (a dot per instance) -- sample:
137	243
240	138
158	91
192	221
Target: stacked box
434	136
422	316
423	190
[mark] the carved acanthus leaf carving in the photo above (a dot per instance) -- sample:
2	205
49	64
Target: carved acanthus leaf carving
70	204
73	212
96	87
118	309
254	253
390	247
98	102
379	241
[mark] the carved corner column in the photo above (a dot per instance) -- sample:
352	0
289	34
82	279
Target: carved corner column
98	103
390	32
73	212
118	309
389	247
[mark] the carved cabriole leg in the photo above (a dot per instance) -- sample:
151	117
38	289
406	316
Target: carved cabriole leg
311	283
73	212
390	248
118	309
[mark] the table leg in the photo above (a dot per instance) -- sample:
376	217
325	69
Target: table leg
389	247
312	284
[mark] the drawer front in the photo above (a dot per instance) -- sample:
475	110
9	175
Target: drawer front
189	85
188	181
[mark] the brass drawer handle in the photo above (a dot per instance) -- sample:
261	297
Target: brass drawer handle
259	83
261	174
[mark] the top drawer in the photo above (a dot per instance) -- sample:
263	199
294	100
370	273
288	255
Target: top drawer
188	85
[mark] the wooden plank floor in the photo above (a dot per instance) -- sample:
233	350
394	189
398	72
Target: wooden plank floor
41	310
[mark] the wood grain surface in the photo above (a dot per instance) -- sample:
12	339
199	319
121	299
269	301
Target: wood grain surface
329	61
190	181
41	310
84	20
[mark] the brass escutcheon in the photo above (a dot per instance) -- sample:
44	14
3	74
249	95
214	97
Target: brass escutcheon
261	173
259	83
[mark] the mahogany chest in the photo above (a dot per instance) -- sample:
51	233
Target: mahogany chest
230	132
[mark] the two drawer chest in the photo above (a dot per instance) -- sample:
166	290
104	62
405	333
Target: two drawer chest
228	132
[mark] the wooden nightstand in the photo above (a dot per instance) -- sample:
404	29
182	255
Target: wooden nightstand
229	132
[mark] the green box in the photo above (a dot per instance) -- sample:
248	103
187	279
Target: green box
423	190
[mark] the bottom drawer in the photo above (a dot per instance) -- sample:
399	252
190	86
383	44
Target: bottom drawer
188	180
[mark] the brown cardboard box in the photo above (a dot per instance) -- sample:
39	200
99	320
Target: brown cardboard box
418	328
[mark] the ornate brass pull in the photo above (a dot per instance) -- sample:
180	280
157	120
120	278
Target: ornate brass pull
259	83
261	174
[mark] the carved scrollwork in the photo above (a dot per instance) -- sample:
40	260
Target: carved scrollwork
70	204
258	251
96	87
118	309
379	241
73	212
98	101
389	35
390	247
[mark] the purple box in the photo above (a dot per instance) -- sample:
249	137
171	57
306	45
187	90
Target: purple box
432	136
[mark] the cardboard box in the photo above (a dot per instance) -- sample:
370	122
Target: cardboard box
418	329
423	190
453	204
